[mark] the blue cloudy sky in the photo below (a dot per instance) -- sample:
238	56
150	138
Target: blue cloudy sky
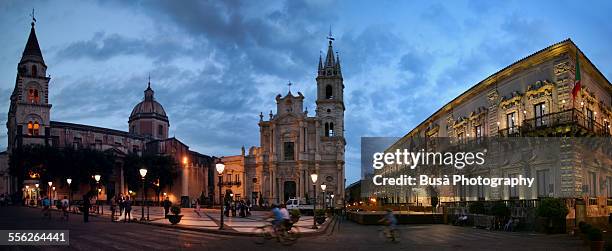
216	64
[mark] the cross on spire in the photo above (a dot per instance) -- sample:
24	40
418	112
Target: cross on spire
149	83
33	18
330	36
289	84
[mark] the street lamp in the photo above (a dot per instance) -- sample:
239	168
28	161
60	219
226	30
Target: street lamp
143	173
37	193
69	180
314	177
50	183
323	186
97	178
220	167
332	202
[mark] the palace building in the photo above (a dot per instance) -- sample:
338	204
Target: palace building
533	97
29	122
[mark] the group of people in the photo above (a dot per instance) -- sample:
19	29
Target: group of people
242	207
125	208
47	204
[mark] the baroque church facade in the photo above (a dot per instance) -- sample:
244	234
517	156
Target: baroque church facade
293	145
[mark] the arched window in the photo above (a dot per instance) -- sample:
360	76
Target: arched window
33	128
34	71
36	129
326	129
30	128
329	92
33	96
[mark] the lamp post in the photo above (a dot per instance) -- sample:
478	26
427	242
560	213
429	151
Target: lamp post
69	180
97	178
143	173
50	183
28	196
314	177
220	167
332	202
37	193
323	186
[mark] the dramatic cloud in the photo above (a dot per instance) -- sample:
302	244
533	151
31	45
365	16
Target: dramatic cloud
215	65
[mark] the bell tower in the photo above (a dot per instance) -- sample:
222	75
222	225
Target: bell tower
330	94
29	112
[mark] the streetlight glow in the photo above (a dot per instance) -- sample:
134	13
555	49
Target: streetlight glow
220	167
97	177
36	185
185	160
323	186
50	183
69	180
143	172
314	177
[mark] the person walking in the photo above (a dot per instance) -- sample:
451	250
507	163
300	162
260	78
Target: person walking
113	208
86	205
65	204
128	209
121	203
46	203
197	208
167	205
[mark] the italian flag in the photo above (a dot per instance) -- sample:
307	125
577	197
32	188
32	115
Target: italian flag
577	85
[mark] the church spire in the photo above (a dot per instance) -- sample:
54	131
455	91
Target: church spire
32	49
329	59
331	65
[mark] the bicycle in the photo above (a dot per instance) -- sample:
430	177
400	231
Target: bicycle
391	234
285	234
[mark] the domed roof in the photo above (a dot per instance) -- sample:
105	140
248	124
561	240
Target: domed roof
149	108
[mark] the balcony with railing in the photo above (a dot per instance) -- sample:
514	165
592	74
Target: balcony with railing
570	122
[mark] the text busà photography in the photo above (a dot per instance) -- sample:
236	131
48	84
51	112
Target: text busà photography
305	125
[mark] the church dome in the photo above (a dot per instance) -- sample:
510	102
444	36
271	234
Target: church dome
148	108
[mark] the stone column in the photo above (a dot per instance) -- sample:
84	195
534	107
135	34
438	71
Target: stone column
121	180
300	183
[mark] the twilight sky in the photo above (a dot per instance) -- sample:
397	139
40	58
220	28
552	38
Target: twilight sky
216	64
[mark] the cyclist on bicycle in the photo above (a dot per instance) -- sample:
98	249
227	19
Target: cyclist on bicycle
390	220
277	217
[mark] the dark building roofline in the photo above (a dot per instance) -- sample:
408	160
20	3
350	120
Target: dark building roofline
80	127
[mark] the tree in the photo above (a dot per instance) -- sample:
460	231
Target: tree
161	171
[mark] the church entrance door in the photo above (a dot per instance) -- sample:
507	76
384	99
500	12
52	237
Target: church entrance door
289	190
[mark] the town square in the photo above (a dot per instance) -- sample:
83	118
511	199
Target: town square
305	125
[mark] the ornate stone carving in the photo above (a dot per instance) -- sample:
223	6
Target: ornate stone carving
562	67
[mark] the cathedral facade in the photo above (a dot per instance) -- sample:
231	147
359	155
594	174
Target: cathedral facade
294	145
29	122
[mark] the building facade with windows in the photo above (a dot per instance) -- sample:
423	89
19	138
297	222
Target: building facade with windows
29	122
533	97
294	145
